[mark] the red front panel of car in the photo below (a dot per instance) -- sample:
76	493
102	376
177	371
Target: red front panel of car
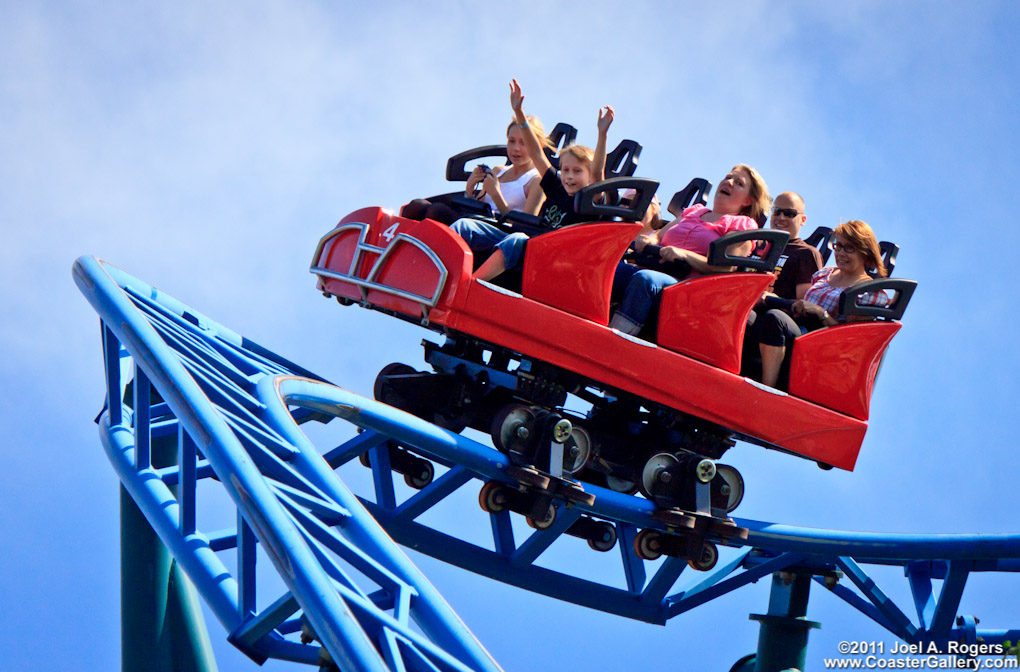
408	265
339	251
836	367
705	317
572	268
420	257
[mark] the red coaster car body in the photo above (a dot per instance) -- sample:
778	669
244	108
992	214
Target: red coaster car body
421	270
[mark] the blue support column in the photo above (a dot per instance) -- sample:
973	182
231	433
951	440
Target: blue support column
783	638
162	627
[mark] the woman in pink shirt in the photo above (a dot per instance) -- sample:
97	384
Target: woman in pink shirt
740	200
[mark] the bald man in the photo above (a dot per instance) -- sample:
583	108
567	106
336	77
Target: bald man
797	264
799	261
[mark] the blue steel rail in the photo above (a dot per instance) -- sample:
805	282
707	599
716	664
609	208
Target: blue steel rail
235	409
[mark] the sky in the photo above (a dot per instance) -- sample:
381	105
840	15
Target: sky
206	149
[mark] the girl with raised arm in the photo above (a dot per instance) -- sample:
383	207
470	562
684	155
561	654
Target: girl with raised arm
579	167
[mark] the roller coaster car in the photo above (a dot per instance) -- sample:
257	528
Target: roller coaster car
660	412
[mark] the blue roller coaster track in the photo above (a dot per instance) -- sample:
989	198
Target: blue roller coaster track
342	594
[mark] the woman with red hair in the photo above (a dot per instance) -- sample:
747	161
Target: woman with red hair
856	250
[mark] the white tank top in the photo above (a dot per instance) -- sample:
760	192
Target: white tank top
513	191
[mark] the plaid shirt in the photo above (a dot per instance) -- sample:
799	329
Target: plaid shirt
827	296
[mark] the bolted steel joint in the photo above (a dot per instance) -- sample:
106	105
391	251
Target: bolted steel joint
562	430
705	471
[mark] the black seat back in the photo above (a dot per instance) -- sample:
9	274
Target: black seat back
696	191
585	200
563	134
774	239
889	252
622	161
456	165
819	239
849	300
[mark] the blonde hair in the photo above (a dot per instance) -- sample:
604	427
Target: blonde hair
759	192
536	127
860	235
585	155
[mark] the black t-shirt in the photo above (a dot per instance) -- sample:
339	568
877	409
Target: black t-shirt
796	266
558	209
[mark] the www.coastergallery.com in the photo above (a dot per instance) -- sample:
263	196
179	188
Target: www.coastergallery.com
922	663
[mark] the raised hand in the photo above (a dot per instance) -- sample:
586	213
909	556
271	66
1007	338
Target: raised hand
606	115
516	96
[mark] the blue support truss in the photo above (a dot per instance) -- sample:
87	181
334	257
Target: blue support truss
346	592
343	582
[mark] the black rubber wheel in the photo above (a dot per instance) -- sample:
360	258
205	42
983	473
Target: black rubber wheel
617	484
608	539
424	472
364	459
647	545
580	439
396	368
709	556
492	497
735	482
513	427
550	518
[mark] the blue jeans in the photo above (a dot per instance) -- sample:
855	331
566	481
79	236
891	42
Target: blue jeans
478	235
641	290
484	237
512	248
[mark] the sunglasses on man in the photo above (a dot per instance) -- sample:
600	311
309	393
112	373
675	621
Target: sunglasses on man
789	213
